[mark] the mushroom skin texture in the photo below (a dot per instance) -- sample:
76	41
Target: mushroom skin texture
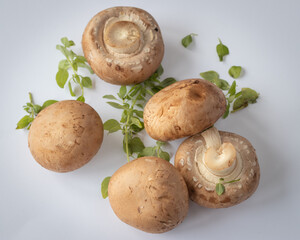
183	109
149	194
123	45
65	135
201	180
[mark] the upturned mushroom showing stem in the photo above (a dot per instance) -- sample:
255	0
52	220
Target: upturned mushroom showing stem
220	168
123	45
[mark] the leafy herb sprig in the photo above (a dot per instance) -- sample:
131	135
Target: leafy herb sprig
132	100
72	62
239	99
32	109
220	188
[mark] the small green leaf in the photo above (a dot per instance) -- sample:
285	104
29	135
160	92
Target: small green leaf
232	88
37	108
136	145
231	98
112	125
63	50
80	59
66	42
147	151
136	122
110	97
220	189
116	105
71	90
86	82
224	85
24	122
159	71
48	103
165	156
247	96
124	116
167	82
104	187
139	113
187	40
222	50
81	98
62	77
74	66
122	92
235	71
210	75
225	115
86	66
134	90
160	143
139	105
64	64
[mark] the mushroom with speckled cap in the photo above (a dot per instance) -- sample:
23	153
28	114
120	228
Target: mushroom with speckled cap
212	156
123	45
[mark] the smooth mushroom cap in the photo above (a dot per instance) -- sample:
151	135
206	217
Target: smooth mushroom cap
149	194
201	179
65	135
123	45
183	109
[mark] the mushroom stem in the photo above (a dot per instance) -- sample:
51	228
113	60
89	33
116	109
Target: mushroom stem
219	158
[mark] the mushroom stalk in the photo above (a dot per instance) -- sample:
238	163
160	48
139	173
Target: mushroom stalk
219	158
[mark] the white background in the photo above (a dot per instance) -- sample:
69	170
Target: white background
262	36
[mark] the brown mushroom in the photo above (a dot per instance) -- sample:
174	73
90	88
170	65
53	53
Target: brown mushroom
183	109
212	156
149	194
65	135
123	45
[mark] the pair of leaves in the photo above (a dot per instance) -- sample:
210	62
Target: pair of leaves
220	188
33	110
213	77
187	40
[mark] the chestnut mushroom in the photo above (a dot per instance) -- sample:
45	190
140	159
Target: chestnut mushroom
65	135
214	157
183	109
123	45
148	193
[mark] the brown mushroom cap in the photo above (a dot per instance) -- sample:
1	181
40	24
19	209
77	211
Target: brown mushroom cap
123	45
183	109
65	135
189	160
149	194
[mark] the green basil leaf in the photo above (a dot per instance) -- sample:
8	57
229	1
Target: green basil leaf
210	75
222	50
71	90
249	94
232	89
63	50
81	99
86	66
24	122
104	187
124	116
160	143
136	122
116	105
231	98
86	82
122	92
220	189
136	145
147	151
110	97
37	108
48	103
64	64
167	82
74	66
225	115
239	104
187	40
62	77
139	113
165	156
224	85
80	59
159	71
235	71
112	125
140	105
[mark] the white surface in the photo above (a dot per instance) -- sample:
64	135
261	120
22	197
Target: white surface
262	36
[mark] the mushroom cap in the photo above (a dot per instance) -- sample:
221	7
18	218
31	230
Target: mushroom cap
123	45
183	109
149	194
65	135
202	190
